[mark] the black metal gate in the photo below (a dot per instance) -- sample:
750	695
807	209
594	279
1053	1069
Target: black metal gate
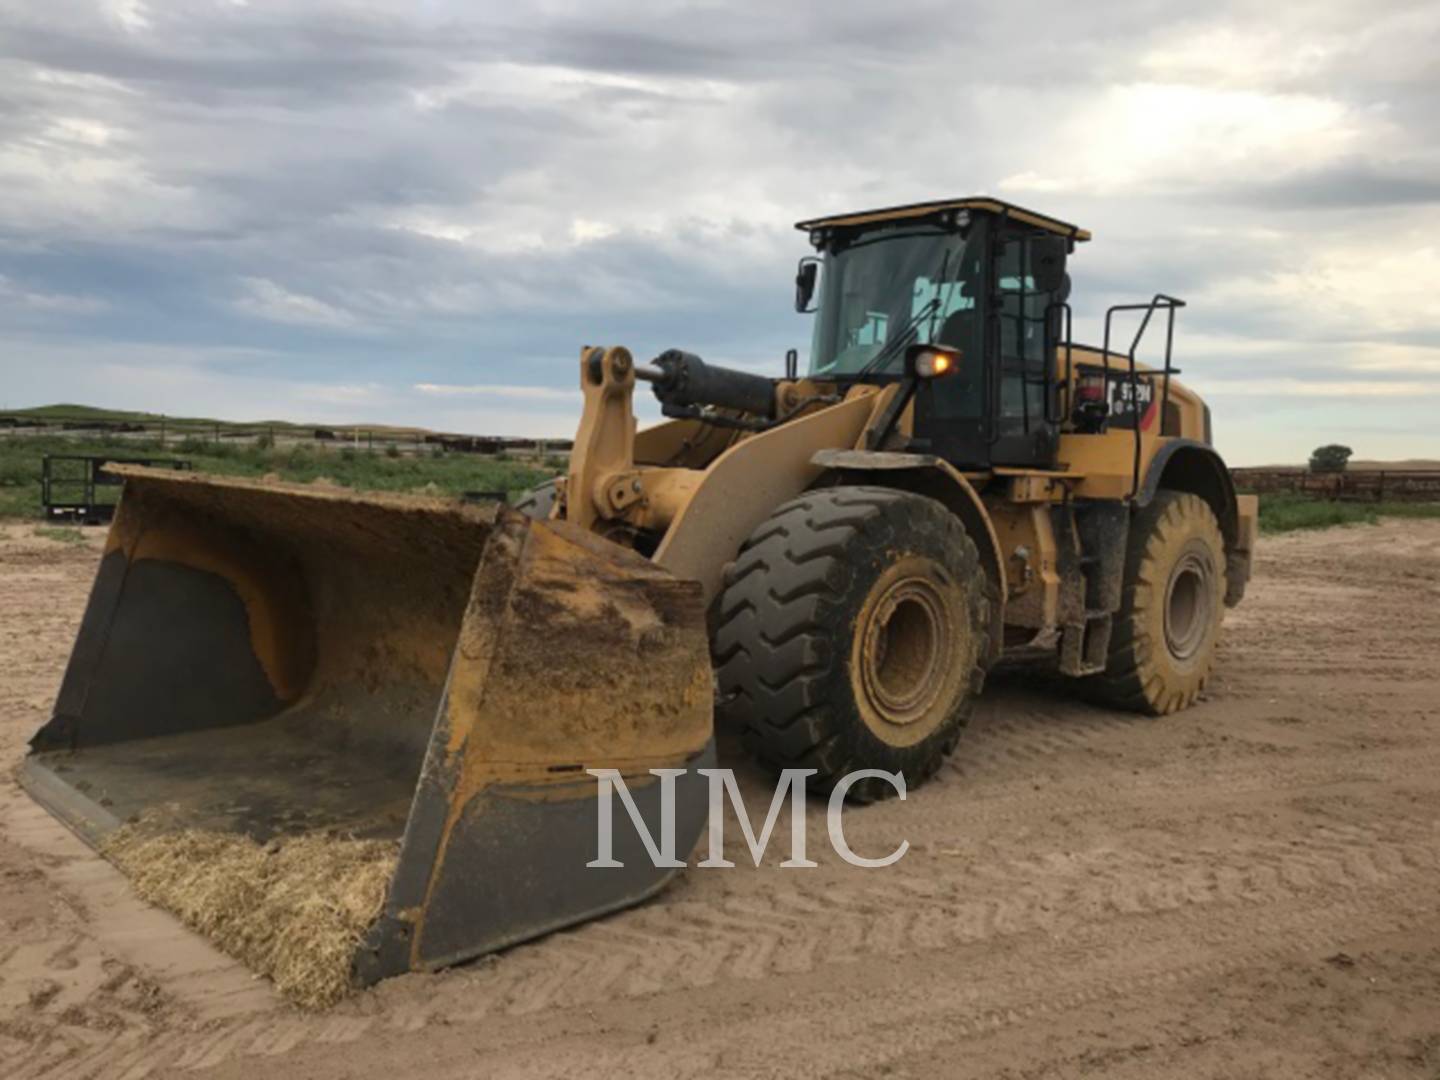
75	487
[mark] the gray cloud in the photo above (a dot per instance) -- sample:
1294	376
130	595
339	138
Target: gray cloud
302	196
1352	185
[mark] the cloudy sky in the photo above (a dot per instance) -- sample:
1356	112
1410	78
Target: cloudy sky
418	210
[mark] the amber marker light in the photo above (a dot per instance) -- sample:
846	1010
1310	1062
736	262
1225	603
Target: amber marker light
933	361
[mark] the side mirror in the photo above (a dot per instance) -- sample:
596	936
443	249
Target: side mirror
805	277
1047	262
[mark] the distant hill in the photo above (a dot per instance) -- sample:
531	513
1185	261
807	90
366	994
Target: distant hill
66	412
71	419
1408	464
78	412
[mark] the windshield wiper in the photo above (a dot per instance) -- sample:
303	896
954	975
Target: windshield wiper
893	345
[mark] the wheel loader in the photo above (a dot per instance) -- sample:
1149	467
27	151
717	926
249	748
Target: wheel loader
829	562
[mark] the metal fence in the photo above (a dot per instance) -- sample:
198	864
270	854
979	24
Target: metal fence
1358	485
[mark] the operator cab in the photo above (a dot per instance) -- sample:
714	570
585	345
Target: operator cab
976	275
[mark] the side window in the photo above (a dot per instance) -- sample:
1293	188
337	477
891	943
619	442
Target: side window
1023	363
1022	310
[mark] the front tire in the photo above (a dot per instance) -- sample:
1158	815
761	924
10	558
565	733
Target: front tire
852	634
1168	627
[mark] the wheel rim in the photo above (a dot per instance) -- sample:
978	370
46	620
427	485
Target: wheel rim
904	641
1188	603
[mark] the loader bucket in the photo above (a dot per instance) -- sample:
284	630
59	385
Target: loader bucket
274	661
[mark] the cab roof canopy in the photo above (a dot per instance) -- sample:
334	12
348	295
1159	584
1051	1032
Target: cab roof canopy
978	203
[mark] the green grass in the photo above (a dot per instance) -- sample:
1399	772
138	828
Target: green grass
384	469
19	502
361	469
1410	510
63	534
1281	513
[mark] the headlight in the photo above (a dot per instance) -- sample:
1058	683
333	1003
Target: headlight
933	361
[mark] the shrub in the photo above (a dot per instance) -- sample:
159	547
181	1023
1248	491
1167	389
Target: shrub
191	445
1331	458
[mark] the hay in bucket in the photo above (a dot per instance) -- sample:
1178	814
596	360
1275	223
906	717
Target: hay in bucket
292	909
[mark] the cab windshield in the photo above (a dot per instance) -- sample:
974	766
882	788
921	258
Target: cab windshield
884	289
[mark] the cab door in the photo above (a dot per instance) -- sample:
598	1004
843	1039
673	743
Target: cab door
950	413
998	408
1022	345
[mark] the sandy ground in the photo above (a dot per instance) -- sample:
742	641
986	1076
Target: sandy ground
1249	889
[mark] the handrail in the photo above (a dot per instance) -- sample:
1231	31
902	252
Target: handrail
1063	307
1162	302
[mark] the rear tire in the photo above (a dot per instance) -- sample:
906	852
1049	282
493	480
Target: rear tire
851	634
1168	626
